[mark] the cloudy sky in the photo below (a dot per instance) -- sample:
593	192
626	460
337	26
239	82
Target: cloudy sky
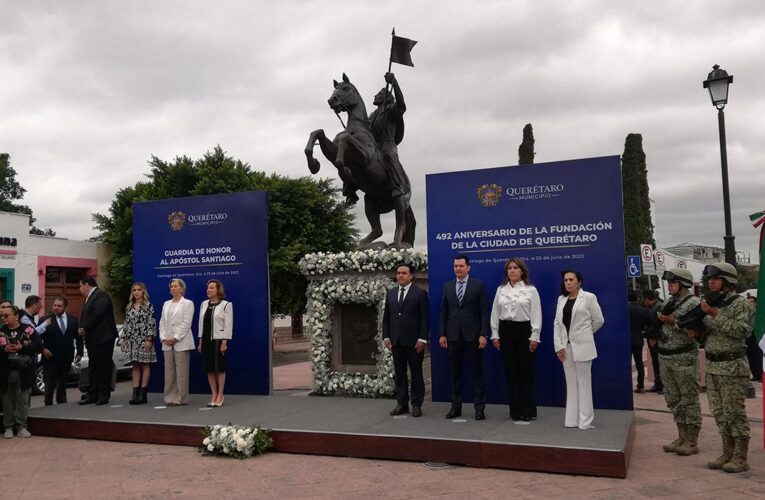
90	89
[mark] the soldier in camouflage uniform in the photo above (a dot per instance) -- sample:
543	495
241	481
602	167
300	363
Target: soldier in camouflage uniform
727	368
679	360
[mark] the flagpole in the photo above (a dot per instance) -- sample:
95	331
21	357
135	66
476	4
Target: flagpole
390	66
390	61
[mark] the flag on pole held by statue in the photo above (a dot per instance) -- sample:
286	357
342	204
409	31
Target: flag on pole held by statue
401	50
758	220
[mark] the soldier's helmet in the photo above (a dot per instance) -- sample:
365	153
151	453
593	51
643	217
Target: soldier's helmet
682	276
722	270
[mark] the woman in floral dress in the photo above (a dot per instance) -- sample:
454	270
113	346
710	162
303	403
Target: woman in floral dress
138	340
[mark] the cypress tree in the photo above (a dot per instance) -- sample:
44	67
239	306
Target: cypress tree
526	149
638	226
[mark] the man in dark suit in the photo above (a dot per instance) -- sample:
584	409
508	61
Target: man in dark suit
405	334
59	341
464	330
98	328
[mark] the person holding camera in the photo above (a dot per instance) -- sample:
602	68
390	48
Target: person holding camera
19	346
679	360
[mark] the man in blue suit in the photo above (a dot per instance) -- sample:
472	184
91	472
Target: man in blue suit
464	330
59	341
405	334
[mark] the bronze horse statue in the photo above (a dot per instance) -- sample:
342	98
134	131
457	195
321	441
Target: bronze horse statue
359	160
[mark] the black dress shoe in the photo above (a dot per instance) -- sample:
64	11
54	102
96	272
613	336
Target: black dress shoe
480	415
399	410
526	419
416	411
454	412
102	401
87	401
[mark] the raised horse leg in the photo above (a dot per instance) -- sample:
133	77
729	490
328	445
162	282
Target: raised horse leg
340	148
327	147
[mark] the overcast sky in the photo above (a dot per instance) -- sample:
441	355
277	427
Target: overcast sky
89	90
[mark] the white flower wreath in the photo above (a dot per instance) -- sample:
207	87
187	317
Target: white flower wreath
322	297
315	264
368	288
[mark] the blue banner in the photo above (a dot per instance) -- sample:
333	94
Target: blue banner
556	216
200	238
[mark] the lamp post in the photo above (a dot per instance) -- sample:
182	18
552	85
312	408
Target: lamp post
717	82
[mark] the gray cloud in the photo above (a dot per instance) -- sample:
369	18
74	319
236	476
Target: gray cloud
91	89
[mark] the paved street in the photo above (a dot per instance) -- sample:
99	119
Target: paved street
63	468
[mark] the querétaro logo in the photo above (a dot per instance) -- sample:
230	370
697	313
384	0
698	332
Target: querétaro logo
176	220
535	192
207	219
489	194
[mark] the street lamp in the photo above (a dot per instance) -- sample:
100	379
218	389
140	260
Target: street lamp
717	82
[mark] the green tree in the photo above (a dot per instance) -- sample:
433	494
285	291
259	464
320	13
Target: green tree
304	216
526	149
638	226
748	277
11	191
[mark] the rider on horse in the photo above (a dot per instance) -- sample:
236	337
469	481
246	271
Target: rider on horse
386	123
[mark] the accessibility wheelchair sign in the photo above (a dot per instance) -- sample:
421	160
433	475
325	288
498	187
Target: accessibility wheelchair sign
633	266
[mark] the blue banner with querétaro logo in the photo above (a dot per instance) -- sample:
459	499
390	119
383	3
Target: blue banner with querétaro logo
225	237
555	216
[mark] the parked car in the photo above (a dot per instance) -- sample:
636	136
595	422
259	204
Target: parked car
118	358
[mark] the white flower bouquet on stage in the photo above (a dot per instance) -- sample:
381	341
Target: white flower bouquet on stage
235	441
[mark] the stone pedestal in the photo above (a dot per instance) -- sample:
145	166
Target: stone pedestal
346	298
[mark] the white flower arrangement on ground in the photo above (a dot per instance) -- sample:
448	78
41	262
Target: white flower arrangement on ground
319	263
235	441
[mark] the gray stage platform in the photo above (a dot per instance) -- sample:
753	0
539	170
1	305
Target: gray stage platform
363	428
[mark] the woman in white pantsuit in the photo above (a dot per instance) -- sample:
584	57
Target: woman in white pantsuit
577	318
177	343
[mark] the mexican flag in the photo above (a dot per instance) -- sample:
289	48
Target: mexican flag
758	220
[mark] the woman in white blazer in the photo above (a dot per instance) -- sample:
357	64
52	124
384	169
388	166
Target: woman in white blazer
216	322
177	343
577	318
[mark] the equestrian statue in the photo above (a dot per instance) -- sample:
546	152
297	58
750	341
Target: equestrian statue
366	157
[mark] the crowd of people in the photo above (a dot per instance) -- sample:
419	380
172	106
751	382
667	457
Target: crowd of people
61	338
722	325
721	322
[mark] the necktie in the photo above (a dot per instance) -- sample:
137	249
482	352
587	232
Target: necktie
61	325
460	290
401	296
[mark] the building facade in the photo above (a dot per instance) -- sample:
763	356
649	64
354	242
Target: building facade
42	265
